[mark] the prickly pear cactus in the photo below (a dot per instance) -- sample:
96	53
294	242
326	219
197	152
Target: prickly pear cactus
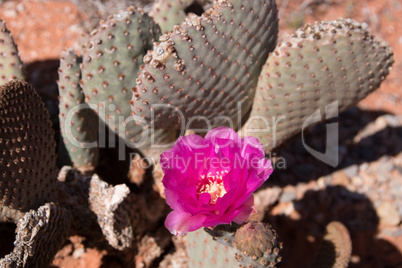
10	62
259	245
168	13
336	247
336	62
111	61
208	64
79	124
27	151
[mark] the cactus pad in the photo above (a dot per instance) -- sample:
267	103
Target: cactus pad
168	13
259	245
205	252
10	62
111	61
336	62
224	233
207	68
27	149
83	124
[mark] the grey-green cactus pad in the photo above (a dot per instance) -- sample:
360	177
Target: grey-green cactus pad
10	62
336	63
27	149
168	13
111	61
203	251
78	123
208	66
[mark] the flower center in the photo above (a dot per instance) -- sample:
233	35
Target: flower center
212	184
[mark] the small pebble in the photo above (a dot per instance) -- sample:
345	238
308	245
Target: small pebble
388	215
351	171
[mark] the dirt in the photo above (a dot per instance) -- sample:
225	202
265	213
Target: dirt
364	192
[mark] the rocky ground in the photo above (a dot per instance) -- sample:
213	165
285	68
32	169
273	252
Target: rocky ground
364	191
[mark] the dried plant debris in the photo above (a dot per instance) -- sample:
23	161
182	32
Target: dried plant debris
40	234
335	249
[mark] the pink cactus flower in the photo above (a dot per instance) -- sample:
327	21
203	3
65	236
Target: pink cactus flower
210	181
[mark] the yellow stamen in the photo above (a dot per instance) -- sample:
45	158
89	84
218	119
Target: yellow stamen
212	184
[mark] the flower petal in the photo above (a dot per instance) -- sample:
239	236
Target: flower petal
223	139
179	222
221	166
181	199
203	199
192	142
251	147
246	210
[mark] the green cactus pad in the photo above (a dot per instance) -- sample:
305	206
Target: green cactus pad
207	67
82	125
10	62
168	13
111	61
336	62
204	251
27	149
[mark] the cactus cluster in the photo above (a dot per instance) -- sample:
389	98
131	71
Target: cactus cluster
145	86
209	71
98	87
316	66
